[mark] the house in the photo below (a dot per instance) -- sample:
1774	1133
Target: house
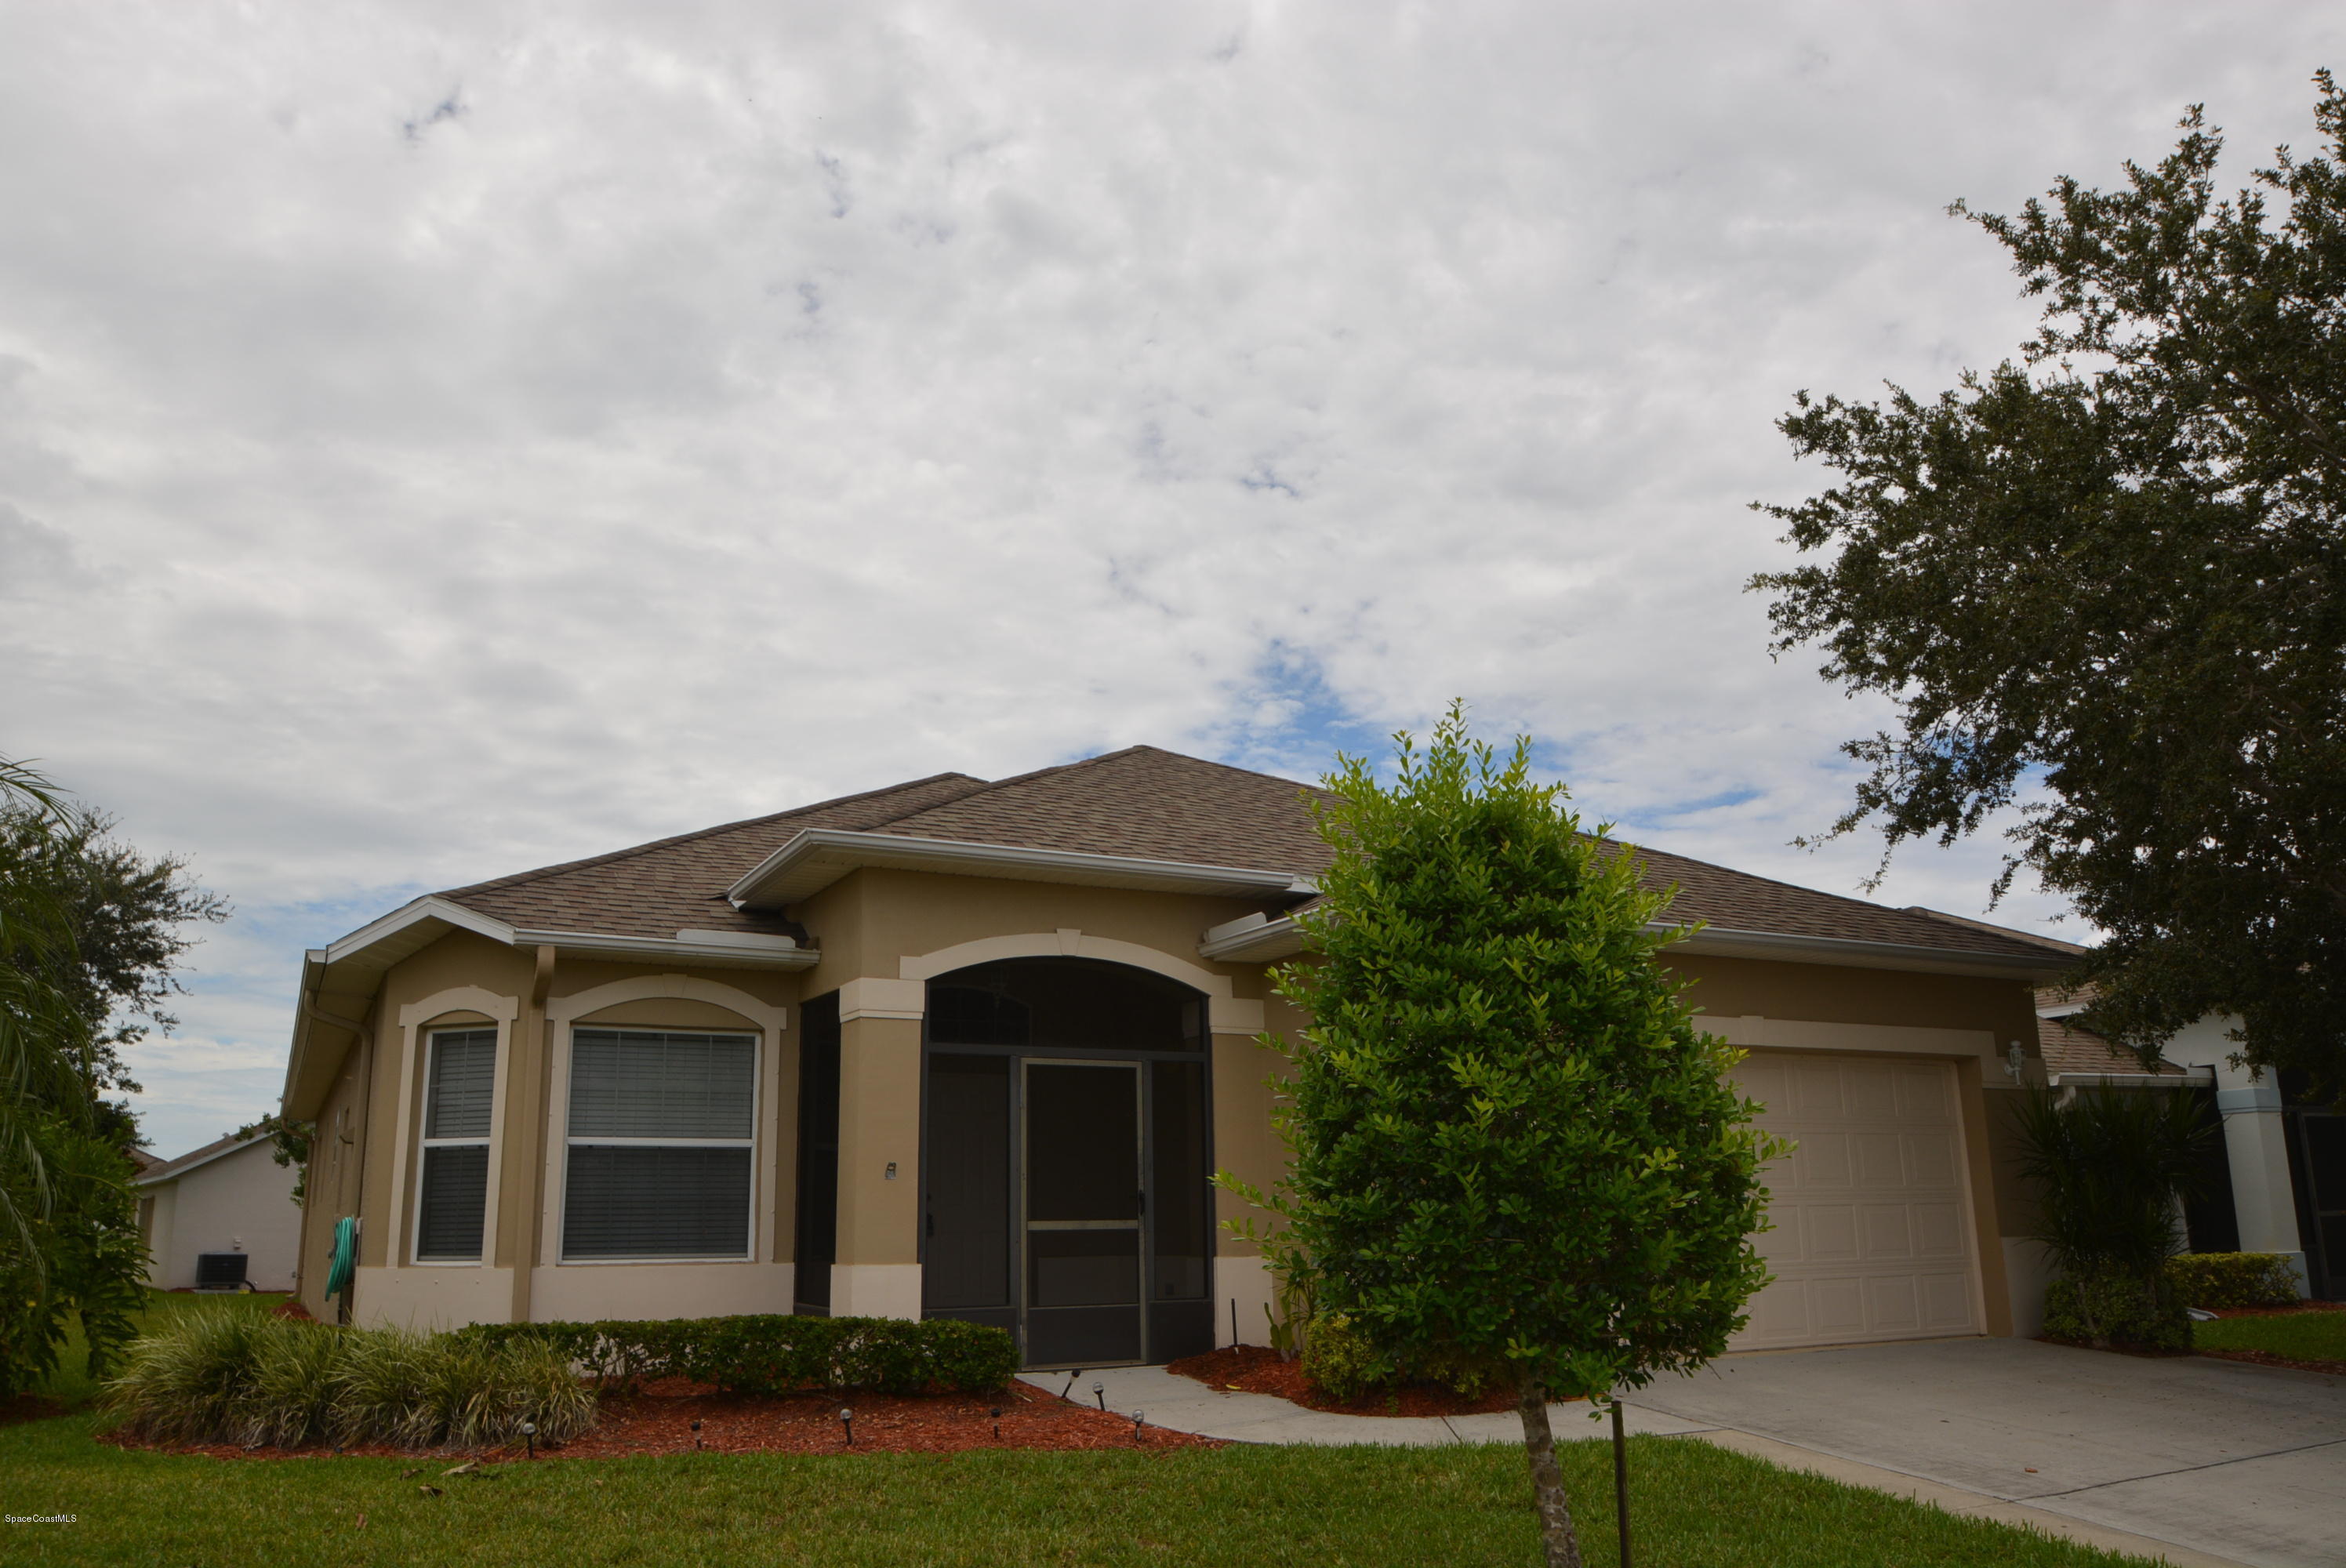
974	1050
228	1196
2275	1179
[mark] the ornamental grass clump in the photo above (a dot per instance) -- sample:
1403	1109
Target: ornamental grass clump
229	1377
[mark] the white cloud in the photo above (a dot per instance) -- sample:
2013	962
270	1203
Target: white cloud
438	442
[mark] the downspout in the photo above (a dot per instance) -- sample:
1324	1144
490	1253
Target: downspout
531	1234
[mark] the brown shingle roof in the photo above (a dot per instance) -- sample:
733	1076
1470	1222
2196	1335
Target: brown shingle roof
1141	802
2070	1047
678	884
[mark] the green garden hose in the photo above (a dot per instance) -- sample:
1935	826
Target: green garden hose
346	1254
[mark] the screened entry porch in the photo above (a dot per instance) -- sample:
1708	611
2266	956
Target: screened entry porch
1066	1170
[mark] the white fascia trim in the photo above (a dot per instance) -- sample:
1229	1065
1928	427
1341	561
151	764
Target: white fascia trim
1261	938
2190	1078
1252	938
431	906
973	859
1860	954
215	1155
757	952
2061	1009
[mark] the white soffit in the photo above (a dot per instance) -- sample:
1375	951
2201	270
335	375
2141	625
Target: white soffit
819	857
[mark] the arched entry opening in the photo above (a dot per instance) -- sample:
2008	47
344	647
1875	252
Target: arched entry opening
1065	1168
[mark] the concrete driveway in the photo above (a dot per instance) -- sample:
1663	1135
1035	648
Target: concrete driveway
2244	1462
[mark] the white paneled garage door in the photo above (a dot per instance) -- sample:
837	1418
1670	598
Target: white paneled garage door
1872	1237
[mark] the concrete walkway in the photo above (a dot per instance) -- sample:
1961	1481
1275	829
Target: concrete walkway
2205	1463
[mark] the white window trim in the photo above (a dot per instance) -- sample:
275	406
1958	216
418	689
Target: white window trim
412	1018
755	1143
488	1141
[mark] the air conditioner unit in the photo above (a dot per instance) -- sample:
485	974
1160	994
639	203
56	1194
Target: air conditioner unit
220	1270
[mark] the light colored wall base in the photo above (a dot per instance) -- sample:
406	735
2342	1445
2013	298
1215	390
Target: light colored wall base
576	1293
875	1290
431	1298
2028	1271
1246	1281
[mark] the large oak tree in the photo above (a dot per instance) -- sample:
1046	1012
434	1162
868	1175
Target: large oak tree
2114	567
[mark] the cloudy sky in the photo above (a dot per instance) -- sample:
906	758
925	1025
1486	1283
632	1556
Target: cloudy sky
436	441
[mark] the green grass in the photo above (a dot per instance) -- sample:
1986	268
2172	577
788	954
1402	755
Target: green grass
2301	1335
1695	1506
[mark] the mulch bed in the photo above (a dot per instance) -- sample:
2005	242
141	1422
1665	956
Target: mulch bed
2267	1358
1257	1370
659	1419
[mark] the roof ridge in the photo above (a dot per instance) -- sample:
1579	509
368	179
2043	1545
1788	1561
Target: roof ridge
610	857
987	788
1080	762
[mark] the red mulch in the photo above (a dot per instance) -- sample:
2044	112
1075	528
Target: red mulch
1257	1370
291	1309
28	1408
659	1420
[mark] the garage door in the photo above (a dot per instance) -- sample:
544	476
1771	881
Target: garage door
1872	1233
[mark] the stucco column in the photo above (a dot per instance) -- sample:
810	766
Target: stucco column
2263	1200
877	1271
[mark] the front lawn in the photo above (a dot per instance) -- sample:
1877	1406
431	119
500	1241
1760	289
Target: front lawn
1699	1507
72	1384
2294	1336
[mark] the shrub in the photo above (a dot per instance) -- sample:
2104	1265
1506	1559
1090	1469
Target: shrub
2116	1310
1340	1362
2233	1279
233	1377
767	1353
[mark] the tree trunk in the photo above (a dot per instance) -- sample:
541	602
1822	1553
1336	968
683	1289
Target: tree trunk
1562	1546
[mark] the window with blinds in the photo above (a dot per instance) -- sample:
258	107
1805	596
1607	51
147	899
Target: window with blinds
452	1182
660	1145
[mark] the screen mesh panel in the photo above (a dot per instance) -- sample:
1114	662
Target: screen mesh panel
638	1201
644	1083
455	1192
463	1078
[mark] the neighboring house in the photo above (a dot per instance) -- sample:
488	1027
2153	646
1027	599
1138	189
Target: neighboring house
976	1050
230	1195
2277	1181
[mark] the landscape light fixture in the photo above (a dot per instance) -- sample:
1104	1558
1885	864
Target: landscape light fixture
847	1421
1137	1416
997	1424
529	1437
1098	1393
1071	1382
696	1437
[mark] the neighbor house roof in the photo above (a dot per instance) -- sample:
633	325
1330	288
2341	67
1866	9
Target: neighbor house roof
218	1148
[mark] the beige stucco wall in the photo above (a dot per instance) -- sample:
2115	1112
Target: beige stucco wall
874	927
241	1202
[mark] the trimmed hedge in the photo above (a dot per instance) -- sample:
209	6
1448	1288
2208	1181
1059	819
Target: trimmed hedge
769	1353
2126	1312
2233	1279
1339	1361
